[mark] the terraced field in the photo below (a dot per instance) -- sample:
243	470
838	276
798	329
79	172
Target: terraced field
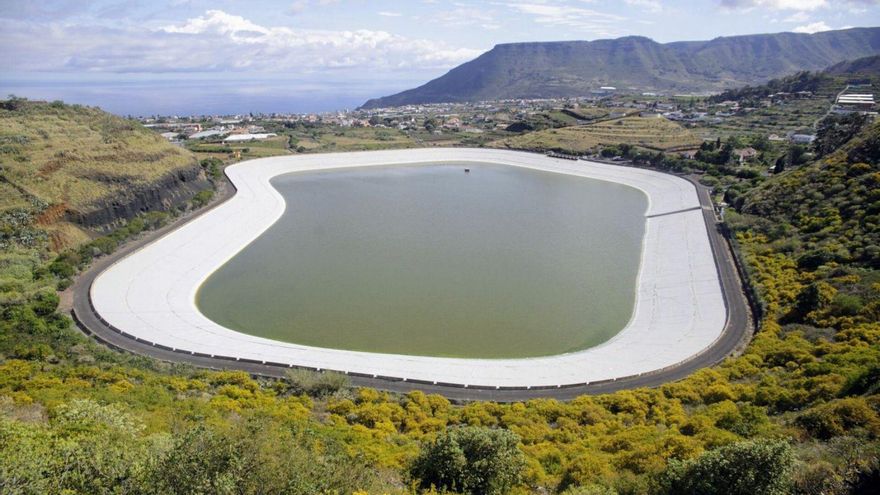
325	139
648	132
790	116
243	150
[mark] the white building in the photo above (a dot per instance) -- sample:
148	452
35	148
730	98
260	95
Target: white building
866	99
802	138
206	134
248	137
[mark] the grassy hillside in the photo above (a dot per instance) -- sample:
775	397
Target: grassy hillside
59	160
647	132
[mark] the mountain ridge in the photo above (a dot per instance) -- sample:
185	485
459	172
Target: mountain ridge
864	65
572	68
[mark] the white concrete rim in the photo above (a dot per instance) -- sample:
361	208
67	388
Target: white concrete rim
679	308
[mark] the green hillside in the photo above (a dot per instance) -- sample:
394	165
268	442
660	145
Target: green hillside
68	164
829	209
573	68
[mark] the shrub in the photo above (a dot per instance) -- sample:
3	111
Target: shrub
62	268
838	417
202	197
742	468
212	167
470	460
316	384
45	303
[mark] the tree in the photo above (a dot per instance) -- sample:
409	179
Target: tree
796	155
45	303
761	143
779	167
13	103
470	460
743	468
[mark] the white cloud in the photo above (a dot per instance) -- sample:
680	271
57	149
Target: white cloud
652	6
216	22
595	22
797	17
813	27
214	42
390	14
808	5
464	16
300	6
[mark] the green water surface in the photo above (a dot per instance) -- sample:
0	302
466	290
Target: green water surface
429	260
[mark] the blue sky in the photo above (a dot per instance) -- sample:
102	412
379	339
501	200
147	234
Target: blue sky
185	56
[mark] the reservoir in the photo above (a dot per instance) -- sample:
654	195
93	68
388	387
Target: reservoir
498	262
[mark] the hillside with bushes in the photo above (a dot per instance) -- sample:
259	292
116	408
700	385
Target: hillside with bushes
74	168
797	412
829	210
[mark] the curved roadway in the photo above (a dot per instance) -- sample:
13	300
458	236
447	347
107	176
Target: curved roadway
736	332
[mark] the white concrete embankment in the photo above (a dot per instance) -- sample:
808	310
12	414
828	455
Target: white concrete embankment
679	311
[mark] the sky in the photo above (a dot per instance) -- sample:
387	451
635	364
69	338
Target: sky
144	57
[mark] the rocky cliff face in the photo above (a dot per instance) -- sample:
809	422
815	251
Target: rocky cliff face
172	190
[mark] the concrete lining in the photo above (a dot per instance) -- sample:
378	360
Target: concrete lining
680	309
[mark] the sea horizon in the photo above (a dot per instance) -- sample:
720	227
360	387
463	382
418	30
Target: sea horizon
140	96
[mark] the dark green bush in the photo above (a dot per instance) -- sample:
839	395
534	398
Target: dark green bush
743	468
472	460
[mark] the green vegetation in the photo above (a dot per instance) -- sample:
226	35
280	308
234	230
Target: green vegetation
470	460
797	412
741	468
316	384
322	139
56	159
241	150
802	81
829	211
646	132
89	448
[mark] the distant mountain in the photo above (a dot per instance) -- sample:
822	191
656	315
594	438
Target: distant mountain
573	68
866	65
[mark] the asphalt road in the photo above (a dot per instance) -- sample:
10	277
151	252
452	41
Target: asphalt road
736	333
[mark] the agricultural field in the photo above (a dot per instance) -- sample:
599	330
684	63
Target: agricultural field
332	138
274	146
798	115
780	119
646	132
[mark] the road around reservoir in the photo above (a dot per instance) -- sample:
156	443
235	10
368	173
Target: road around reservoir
734	335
